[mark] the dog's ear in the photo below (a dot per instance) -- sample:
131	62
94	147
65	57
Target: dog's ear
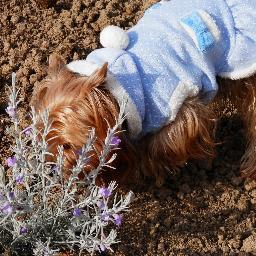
98	77
55	64
38	97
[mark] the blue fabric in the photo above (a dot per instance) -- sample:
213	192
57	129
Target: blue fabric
161	53
204	36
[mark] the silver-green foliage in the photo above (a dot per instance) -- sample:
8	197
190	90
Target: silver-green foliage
41	209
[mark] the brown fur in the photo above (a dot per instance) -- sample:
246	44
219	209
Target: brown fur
238	96
76	104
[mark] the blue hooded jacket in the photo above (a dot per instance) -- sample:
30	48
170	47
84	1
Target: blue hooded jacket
176	51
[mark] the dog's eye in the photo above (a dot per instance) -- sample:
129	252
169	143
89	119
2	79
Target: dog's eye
66	146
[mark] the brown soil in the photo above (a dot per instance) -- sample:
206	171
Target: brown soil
203	210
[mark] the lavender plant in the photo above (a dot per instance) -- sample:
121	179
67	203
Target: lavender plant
39	208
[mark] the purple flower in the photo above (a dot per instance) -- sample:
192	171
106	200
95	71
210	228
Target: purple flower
11	161
7	208
46	252
105	217
118	219
77	212
28	130
101	205
105	192
11	111
55	169
11	195
78	152
115	141
19	178
102	247
23	230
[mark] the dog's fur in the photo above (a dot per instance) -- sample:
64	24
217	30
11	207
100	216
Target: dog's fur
77	103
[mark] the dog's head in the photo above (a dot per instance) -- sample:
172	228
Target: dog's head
76	104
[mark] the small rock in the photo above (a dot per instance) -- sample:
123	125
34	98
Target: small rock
253	193
236	181
250	185
169	198
151	216
253	201
154	229
167	222
45	45
75	56
243	203
15	18
249	244
180	195
220	239
6	46
234	243
161	247
157	225
225	248
225	197
80	19
143	222
32	78
222	229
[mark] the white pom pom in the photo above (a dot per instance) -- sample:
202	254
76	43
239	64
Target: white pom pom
114	37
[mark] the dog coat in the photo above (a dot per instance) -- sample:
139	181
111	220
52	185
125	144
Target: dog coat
176	51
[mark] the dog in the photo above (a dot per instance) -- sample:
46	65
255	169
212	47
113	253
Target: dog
182	67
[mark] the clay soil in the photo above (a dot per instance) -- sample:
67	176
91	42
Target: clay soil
205	209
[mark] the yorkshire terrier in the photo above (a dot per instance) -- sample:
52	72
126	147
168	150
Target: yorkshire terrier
184	65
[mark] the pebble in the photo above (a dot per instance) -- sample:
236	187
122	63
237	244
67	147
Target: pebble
253	193
236	181
225	248
151	216
243	203
234	243
180	195
253	201
45	45
220	239
250	185
79	19
249	244
15	19
167	222
154	229
32	78
222	229
161	247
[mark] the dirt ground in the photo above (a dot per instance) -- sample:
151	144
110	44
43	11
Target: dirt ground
204	209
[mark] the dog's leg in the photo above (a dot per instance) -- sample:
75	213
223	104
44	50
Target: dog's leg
248	165
238	97
188	137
